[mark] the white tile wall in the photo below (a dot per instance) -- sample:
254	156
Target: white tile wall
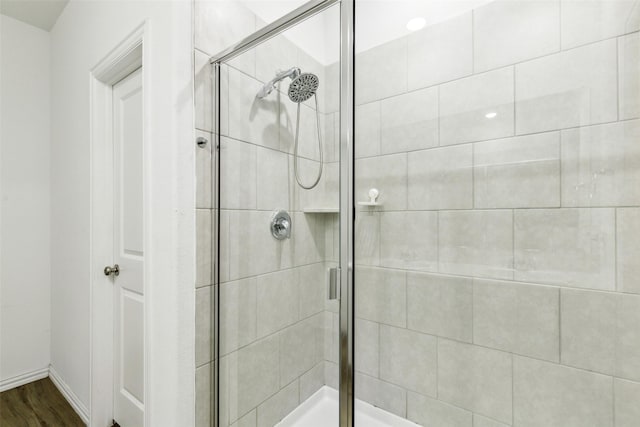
601	165
460	212
409	121
627	396
518	318
440	53
520	172
588	21
629	76
547	394
409	359
441	178
507	32
465	104
409	240
569	247
628	251
476	243
475	378
434	413
440	305
572	88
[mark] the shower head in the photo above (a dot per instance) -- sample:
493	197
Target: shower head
303	87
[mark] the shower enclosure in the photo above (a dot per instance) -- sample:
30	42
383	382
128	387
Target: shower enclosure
424	213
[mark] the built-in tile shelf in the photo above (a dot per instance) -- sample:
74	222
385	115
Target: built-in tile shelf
320	210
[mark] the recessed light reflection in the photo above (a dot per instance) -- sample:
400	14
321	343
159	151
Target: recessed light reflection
416	24
491	115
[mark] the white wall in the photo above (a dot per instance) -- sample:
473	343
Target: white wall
24	239
84	34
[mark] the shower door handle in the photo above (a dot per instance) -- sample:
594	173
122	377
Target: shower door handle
334	283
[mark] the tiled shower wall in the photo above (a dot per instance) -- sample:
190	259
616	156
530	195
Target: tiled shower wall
273	317
498	285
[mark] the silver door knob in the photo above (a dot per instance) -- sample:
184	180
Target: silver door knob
112	271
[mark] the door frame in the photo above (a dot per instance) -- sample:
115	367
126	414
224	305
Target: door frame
125	58
346	185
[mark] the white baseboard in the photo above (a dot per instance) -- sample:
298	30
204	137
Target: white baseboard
68	394
23	379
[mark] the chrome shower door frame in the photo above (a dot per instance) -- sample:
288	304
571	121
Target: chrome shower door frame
347	208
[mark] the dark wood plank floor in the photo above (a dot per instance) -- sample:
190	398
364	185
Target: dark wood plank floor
37	404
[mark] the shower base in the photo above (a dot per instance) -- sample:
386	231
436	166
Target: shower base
321	410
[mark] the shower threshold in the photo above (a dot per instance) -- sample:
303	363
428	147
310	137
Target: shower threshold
321	410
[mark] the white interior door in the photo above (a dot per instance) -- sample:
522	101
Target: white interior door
128	357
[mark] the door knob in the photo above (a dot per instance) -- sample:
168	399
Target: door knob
112	271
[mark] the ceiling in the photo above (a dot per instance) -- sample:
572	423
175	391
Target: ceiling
39	13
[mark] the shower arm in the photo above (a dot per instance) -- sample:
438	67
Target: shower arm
292	73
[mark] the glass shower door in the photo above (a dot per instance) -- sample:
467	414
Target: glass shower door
278	232
497	177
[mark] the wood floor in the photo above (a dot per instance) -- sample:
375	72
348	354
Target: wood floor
36	404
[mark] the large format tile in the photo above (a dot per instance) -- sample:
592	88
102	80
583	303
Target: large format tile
517	318
380	295
551	395
440	305
367	347
277	301
252	248
409	121
368	130
520	172
386	173
477	108
409	359
599	332
567	89
387	396
506	32
628	250
381	72
274	187
480	421
587	21
278	406
237	314
627	410
203	396
441	52
570	247
300	348
434	413
476	243
253	375
441	178
475	378
204	238
237	174
203	325
312	283
629	76
409	240
601	165
367	238
311	381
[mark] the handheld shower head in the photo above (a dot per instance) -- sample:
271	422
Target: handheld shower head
303	87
